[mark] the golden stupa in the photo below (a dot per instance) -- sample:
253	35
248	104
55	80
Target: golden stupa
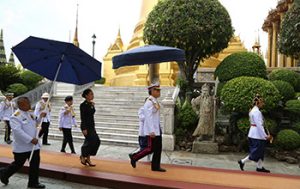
138	75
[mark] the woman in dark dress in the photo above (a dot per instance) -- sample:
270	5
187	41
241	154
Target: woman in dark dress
92	141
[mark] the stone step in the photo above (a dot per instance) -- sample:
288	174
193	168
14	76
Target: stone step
109	126
106	141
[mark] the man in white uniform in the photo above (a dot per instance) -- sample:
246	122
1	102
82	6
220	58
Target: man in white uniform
39	108
7	108
152	130
23	124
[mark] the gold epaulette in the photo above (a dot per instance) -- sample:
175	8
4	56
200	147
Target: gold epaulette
17	113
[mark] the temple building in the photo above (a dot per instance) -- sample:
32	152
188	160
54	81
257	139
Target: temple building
2	50
272	25
3	59
139	75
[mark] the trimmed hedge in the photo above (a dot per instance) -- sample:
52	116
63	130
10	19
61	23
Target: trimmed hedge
17	89
238	93
293	106
284	75
241	64
287	139
30	79
285	89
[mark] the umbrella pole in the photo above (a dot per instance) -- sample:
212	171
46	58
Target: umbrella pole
47	104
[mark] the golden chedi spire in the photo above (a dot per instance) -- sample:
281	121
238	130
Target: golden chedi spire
75	40
118	45
137	38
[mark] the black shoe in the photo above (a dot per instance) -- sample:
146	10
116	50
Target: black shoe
39	185
3	179
63	151
159	169
73	152
132	162
241	165
9	141
46	144
263	170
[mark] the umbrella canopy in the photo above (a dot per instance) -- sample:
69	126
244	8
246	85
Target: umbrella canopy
59	61
149	54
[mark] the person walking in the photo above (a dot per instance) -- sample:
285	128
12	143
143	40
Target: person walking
23	123
257	137
152	130
66	122
7	108
92	141
41	107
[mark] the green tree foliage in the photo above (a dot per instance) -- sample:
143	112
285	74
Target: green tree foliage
200	27
17	89
238	93
30	79
285	89
287	139
101	81
290	32
285	75
241	64
9	74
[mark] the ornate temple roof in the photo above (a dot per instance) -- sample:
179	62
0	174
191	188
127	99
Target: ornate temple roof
3	59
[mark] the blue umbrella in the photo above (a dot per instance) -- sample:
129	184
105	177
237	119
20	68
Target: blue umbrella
149	54
58	61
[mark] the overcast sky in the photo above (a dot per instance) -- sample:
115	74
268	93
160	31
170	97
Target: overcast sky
55	19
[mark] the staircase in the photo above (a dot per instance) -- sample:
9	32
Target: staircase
116	114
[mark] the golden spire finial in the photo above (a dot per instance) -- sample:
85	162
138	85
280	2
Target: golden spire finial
75	40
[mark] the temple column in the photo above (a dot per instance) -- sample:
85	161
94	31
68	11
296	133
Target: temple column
289	62
274	44
281	56
269	47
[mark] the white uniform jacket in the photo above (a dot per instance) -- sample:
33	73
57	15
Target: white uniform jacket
257	130
152	117
141	115
7	108
24	129
66	120
40	107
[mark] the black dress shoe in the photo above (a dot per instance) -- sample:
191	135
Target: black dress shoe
263	170
159	170
241	165
63	151
9	141
132	162
3	179
39	185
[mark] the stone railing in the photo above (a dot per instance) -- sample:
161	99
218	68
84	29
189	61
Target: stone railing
35	94
80	88
168	103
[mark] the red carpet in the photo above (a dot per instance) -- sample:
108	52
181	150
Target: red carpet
120	174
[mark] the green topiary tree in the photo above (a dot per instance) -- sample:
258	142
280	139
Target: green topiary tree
284	75
238	93
287	139
285	89
30	79
200	27
293	106
241	64
9	74
17	89
290	32
101	81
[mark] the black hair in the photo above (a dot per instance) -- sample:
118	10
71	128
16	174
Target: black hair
86	92
150	91
256	99
68	98
21	99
